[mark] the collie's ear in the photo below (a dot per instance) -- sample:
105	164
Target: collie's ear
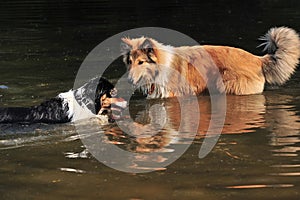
147	46
125	46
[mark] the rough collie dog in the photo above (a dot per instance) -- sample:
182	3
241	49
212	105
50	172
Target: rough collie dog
162	71
61	108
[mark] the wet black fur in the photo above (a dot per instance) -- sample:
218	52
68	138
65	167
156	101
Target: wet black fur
51	111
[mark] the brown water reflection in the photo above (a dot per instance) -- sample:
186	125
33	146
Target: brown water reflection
257	152
283	123
244	114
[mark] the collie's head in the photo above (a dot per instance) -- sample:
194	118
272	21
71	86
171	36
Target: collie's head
146	60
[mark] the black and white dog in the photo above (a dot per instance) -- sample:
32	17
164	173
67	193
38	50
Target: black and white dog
96	98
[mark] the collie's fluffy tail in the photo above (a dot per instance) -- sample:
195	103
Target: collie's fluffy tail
283	47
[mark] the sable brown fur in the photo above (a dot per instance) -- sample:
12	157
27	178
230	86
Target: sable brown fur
162	71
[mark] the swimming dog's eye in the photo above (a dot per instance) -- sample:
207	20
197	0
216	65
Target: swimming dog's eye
141	62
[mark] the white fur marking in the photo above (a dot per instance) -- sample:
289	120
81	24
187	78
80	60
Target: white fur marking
76	112
68	100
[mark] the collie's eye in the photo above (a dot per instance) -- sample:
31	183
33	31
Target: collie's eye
140	62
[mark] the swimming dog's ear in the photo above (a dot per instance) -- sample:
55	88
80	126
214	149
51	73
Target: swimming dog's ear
104	88
147	46
125	46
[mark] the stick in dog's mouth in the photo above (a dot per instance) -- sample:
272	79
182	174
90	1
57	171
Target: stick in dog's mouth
112	107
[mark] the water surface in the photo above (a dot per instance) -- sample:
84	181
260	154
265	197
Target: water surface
42	44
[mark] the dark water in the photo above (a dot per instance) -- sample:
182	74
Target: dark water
43	43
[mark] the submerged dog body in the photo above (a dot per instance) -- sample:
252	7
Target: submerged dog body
162	71
97	98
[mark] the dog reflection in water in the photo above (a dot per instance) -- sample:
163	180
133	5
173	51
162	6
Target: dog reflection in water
163	123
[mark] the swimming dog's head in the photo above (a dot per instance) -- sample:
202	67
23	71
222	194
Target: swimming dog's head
146	59
106	100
